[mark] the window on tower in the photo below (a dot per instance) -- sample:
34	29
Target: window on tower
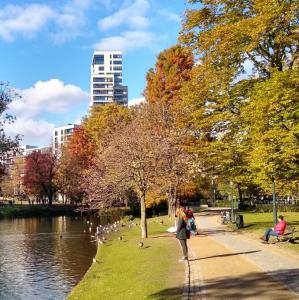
99	59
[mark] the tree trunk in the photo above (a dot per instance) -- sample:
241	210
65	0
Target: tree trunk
241	205
172	199
171	202
50	197
171	206
143	223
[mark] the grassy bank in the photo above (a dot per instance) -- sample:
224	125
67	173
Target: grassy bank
255	223
17	211
124	271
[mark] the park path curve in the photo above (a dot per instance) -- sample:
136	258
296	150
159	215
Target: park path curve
231	266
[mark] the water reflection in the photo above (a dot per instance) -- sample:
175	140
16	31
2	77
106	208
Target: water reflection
43	258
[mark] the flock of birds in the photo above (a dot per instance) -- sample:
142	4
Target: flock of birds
103	230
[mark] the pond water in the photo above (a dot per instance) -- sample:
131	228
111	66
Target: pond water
43	258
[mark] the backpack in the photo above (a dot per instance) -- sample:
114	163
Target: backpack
191	225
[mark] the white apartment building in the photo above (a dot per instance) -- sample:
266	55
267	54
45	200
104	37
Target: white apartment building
106	79
60	135
43	149
7	159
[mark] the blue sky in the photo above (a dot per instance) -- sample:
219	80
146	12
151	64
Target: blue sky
46	49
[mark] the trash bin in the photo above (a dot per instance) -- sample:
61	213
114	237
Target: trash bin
239	221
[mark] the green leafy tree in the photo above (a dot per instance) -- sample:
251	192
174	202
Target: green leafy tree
226	33
225	36
272	123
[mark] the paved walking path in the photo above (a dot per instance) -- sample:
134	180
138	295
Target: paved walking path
230	266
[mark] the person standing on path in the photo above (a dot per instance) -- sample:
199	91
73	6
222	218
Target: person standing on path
182	233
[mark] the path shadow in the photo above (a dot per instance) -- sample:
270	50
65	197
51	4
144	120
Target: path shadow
162	236
294	240
247	226
211	232
225	255
207	214
256	285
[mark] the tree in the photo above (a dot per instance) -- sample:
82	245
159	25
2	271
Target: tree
7	144
7	187
104	120
39	174
76	158
226	36
129	162
177	164
271	119
165	81
227	33
163	92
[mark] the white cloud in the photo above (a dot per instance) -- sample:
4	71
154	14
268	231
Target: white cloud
127	41
71	20
136	101
52	96
171	16
23	20
27	20
34	132
131	14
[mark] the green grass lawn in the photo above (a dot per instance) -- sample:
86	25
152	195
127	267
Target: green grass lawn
124	271
256	223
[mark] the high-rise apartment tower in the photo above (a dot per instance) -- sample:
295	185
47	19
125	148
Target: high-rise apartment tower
106	79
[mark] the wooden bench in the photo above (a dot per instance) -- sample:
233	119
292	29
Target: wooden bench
287	236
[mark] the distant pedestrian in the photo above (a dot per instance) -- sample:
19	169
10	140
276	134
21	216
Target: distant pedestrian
182	233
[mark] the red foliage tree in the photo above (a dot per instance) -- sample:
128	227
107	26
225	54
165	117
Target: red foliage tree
39	174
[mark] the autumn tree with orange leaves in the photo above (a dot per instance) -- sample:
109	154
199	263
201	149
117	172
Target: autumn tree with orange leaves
76	158
164	93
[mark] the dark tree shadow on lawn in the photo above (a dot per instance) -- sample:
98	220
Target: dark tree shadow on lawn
161	236
168	294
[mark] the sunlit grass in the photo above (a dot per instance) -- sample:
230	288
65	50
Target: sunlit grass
124	271
256	223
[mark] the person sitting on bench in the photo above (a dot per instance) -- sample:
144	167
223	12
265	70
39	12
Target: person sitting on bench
277	230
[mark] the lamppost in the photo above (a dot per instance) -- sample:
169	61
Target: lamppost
213	190
232	201
274	201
